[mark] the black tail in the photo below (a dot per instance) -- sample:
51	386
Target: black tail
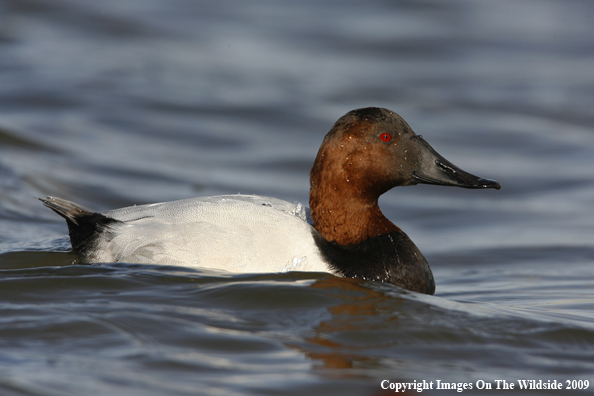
68	210
84	226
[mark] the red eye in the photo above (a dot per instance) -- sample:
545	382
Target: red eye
386	137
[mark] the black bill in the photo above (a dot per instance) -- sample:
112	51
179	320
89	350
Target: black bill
432	168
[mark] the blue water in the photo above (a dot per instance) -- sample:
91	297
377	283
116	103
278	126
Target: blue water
125	102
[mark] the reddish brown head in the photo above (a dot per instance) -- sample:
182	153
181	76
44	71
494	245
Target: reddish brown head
366	153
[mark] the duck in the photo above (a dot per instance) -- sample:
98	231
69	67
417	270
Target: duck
366	153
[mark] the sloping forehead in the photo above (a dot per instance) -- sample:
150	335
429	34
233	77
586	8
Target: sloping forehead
372	114
370	120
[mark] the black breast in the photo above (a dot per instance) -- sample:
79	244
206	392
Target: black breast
391	257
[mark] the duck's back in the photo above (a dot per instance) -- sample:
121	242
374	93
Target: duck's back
238	233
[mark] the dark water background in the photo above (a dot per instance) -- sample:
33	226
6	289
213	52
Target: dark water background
120	102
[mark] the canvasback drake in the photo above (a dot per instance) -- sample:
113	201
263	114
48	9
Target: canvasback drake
366	153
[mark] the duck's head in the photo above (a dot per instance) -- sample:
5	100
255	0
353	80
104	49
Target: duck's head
369	151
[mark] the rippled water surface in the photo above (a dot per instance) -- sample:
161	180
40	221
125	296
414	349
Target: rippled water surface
125	102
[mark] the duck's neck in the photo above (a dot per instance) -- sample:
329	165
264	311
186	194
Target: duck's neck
345	218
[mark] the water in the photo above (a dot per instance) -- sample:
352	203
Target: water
126	102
